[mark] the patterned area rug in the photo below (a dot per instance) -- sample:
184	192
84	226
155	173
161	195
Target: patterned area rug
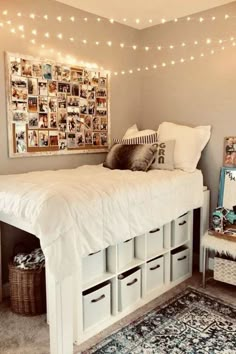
192	323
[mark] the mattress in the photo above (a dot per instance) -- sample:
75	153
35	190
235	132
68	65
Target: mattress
79	211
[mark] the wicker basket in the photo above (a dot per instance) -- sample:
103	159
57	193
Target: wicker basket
225	270
27	290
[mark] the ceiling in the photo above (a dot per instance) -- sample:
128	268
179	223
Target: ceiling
149	12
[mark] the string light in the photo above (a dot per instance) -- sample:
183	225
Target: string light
98	19
163	64
5	12
159	47
122	45
42	45
163	21
150	21
154	66
72	18
1	24
137	20
13	30
59	18
131	71
201	19
84	41
134	47
32	41
47	35
60	36
19	14
112	20
45	17
71	39
213	18
97	43
34	32
171	46
85	19
21	28
109	43
147	49
9	22
32	16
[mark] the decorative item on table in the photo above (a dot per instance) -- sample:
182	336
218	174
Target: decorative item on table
223	217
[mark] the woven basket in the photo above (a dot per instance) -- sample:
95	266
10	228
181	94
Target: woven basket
27	290
225	270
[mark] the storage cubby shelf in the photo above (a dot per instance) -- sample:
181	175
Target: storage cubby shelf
128	275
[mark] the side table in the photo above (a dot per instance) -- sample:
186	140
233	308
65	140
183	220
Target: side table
224	244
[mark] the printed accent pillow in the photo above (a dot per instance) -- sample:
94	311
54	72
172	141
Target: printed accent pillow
164	159
130	157
145	139
189	143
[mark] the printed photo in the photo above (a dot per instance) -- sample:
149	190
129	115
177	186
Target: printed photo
96	138
96	123
32	104
26	67
101	103
53	138
104	139
71	124
61	96
33	139
43	138
20	134
101	112
76	74
53	120
88	137
91	107
62	115
15	66
57	72
43	89
80	126
75	89
103	121
37	69
79	139
63	87
87	77
72	101
33	120
19	94
83	106
47	71
43	120
19	82
52	88
65	74
88	122
101	92
33	86
83	91
52	104
91	93
19	116
62	144
94	78
62	127
72	109
19	106
71	141
43	104
230	151
62	135
102	82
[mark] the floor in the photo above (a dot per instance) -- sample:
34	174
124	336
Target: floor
30	335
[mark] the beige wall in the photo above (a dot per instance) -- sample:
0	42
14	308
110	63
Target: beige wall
199	92
125	91
193	93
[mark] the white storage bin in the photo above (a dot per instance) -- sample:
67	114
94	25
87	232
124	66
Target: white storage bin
125	253
179	263
155	273
129	288
93	265
96	305
179	230
155	242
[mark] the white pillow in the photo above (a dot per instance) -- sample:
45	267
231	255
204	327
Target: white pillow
133	132
189	142
130	131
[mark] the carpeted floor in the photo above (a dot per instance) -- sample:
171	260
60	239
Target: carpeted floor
30	335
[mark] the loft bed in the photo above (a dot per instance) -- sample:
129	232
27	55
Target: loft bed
78	212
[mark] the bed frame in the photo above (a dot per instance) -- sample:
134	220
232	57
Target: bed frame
62	311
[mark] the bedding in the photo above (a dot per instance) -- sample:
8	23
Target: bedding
80	211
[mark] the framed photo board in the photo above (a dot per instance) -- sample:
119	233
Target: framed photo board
227	188
55	108
229	159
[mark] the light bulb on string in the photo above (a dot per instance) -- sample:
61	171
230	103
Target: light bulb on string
72	18
122	45
34	32
112	20
47	35
59	18
45	17
60	35
19	14
5	12
32	16
134	47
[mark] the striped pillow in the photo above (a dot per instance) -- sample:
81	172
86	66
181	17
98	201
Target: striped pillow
147	139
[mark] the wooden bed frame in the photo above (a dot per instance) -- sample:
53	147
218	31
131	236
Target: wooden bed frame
62	310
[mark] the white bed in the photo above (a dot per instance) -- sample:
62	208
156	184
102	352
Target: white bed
76	212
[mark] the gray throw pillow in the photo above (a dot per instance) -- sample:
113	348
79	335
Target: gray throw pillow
130	157
164	159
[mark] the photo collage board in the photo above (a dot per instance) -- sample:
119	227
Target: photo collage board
56	108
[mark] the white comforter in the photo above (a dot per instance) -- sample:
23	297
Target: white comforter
76	212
